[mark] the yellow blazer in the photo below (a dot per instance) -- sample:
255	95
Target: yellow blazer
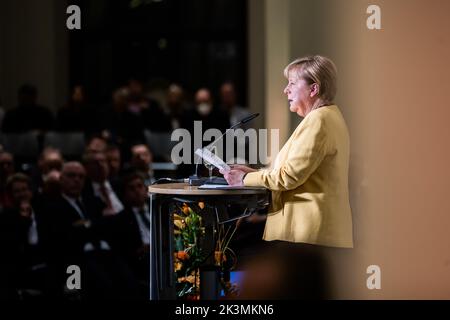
309	183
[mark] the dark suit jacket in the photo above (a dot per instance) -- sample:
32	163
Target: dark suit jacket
125	237
14	230
88	192
67	238
17	255
105	273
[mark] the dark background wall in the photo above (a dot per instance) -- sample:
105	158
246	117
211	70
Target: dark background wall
195	43
34	49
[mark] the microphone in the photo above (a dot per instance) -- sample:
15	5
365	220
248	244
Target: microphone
195	180
247	119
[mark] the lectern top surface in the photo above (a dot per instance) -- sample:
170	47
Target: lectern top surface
186	189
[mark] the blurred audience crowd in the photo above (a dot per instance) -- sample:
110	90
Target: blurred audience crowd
131	111
90	209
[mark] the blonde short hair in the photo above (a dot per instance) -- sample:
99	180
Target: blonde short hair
316	69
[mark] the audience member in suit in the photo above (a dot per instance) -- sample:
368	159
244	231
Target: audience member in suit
137	114
131	228
73	116
78	232
97	184
50	163
131	124
25	237
96	143
141	161
71	228
112	119
80	115
181	117
177	114
6	170
177	109
235	113
228	103
28	115
154	119
51	186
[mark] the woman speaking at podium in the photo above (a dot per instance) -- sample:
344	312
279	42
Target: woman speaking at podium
309	178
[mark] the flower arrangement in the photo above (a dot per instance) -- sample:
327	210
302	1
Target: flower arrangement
188	255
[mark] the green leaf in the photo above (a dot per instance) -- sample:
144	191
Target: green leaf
179	244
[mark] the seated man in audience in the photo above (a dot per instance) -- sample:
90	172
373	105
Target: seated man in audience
25	236
235	113
78	233
49	164
79	115
228	102
153	117
131	124
140	113
131	232
98	185
96	143
73	116
141	160
113	117
177	109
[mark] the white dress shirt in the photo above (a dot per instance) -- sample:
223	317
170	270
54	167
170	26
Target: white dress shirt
88	246
117	206
33	237
144	227
73	203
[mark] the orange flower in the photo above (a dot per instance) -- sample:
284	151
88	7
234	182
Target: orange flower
201	205
182	255
178	266
185	209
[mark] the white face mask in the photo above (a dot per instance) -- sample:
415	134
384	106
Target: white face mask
204	108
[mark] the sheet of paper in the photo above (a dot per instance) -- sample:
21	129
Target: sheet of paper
212	159
215	186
